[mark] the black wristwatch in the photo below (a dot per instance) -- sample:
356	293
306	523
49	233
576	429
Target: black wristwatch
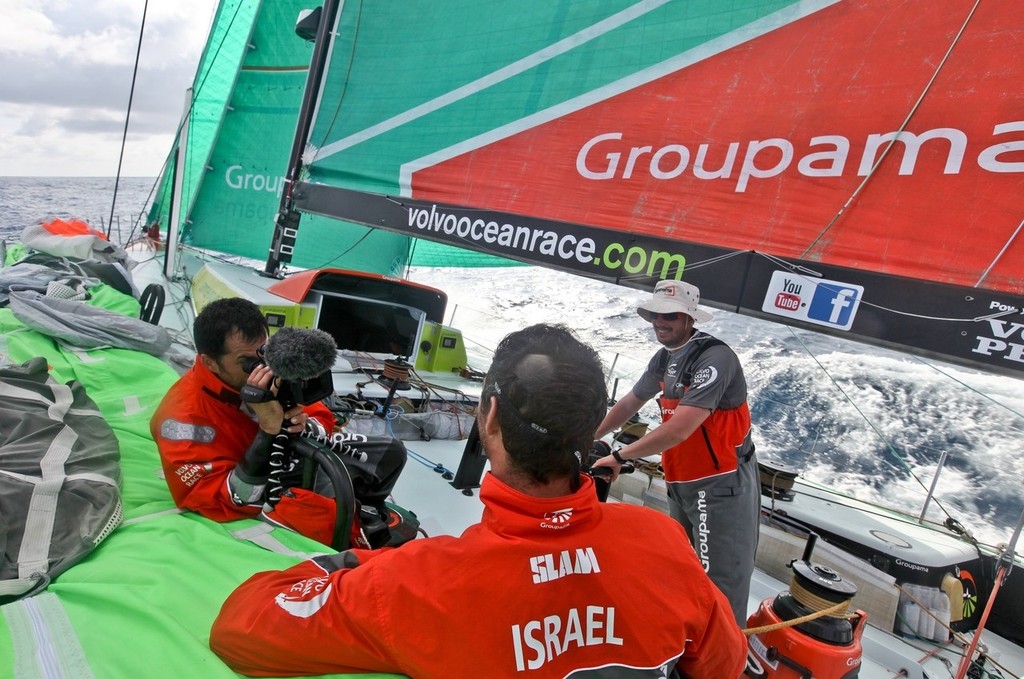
618	458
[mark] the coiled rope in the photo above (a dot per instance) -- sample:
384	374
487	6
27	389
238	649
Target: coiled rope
821	607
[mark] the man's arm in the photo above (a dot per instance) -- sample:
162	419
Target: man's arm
722	652
625	408
317	617
198	458
217	464
679	427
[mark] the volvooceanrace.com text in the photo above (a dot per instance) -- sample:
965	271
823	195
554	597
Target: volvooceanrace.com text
509	239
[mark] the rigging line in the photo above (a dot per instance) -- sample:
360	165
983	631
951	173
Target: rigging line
799	268
895	137
716	260
976	319
369	230
422	459
127	116
427	462
872	508
964	384
878	433
455	405
1006	246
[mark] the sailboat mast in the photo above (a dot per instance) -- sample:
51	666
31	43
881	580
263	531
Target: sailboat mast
286	224
177	169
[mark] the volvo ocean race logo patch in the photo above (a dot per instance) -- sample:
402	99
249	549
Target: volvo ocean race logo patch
557	519
305	598
188	474
704	377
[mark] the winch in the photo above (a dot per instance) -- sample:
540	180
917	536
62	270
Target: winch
825	646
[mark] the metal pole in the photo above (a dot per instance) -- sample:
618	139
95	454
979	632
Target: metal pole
611	370
935	482
287	219
177	189
1005	565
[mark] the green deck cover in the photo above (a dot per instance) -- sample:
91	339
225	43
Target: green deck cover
142	603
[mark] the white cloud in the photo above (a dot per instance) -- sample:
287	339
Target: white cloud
67	69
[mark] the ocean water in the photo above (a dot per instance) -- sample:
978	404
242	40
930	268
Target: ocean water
869	421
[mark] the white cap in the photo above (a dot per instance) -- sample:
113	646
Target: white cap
673	296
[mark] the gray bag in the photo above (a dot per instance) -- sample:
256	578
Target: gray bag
60	478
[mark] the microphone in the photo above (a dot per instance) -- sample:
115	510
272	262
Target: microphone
297	354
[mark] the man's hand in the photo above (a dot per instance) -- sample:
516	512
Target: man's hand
603	452
295	419
270	413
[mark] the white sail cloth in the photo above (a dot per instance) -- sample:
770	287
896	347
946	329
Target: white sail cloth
81	325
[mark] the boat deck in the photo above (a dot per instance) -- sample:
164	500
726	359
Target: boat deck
93	593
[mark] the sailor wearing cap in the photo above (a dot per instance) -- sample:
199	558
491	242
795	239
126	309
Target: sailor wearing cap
704	439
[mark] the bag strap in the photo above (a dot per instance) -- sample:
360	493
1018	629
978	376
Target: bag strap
33	557
39	624
703	344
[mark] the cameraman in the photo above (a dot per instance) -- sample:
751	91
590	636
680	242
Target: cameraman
215	449
550	579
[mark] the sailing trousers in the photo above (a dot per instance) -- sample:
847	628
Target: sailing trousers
722	514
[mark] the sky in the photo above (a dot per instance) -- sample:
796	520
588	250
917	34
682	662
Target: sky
66	79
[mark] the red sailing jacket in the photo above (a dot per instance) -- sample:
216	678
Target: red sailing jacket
709	451
704	377
540	587
202	433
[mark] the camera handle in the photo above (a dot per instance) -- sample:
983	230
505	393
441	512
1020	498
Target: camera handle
344	492
250	393
324	458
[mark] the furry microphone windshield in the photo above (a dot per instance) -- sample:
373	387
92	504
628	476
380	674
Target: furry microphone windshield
300	353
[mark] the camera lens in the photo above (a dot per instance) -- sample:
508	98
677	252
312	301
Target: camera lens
249	363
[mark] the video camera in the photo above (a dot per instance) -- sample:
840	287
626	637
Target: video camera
301	361
302	392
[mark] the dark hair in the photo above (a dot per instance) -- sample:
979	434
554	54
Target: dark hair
221	318
551	396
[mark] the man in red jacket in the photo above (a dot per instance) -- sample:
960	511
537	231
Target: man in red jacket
215	449
551	582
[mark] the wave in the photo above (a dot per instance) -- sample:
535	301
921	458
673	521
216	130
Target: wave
871	422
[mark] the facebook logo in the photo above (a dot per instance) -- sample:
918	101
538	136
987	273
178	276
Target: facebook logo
833	304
